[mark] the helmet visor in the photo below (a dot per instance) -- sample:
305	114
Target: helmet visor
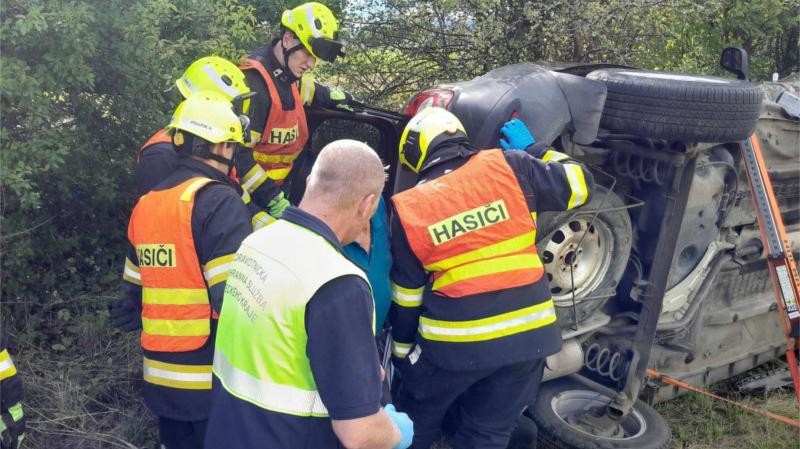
325	49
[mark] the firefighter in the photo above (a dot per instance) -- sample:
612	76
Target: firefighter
296	365
158	157
12	418
182	236
472	318
279	74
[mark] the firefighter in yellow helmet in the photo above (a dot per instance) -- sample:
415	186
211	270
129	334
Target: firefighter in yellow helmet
279	74
182	235
472	319
157	158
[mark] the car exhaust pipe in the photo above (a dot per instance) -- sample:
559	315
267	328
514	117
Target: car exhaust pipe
567	361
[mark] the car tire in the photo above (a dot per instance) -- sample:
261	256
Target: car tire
603	255
678	107
643	428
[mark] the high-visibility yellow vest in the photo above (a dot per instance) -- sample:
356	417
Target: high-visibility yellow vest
260	354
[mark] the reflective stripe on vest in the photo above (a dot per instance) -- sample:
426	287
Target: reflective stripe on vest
267	394
471	228
187	377
7	368
162	136
490	328
285	131
265	302
176	313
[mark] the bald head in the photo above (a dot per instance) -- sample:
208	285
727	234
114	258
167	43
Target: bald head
345	172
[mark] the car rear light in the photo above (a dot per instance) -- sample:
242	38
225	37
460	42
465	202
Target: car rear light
439	97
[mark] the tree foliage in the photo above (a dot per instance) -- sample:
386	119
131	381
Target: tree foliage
85	82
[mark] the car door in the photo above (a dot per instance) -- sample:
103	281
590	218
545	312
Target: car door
379	128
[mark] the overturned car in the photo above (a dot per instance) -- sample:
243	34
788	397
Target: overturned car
664	267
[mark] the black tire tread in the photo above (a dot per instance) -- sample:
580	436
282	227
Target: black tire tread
675	110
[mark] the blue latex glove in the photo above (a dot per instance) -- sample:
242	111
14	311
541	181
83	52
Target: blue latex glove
515	136
403	422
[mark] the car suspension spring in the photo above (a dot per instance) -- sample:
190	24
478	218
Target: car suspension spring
640	168
604	361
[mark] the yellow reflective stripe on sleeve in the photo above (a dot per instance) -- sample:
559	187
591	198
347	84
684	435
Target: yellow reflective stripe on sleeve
577	184
216	270
509	246
254	178
401	350
552	155
189	377
246	196
407	297
131	273
189	192
487	267
175	328
175	296
307	88
275	158
490	328
7	368
255	137
261	219
266	394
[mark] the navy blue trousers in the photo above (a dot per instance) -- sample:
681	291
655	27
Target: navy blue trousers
489	401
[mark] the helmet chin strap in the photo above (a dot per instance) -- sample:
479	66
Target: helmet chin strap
286	74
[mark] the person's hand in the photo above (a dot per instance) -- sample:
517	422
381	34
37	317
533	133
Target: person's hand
125	314
403	423
515	136
341	100
277	205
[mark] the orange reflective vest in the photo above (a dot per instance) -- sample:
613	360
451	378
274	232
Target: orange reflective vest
162	136
176	313
471	228
285	132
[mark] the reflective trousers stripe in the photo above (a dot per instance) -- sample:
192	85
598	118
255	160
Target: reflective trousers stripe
490	328
7	368
187	377
266	394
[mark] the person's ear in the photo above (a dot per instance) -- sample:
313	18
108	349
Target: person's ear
367	206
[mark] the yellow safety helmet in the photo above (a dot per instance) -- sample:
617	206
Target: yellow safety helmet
316	27
215	74
426	130
210	116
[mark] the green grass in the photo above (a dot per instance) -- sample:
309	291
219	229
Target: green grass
698	422
83	380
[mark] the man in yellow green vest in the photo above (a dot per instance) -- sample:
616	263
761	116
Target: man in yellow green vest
295	364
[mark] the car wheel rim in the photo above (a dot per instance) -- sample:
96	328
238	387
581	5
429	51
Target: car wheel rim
585	266
568	404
